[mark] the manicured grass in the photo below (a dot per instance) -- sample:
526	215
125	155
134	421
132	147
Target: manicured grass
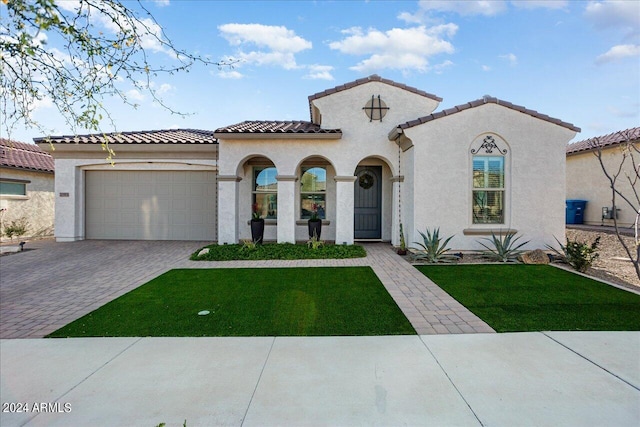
278	251
537	298
249	302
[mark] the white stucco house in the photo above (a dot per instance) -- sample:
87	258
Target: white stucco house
372	155
586	180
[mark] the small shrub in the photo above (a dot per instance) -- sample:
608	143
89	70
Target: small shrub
579	255
16	228
249	245
503	248
433	250
314	243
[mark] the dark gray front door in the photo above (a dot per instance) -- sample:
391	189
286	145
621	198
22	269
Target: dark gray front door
368	203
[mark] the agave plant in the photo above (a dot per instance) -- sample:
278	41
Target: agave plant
503	248
433	249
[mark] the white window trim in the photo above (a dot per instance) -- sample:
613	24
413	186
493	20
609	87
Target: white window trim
500	149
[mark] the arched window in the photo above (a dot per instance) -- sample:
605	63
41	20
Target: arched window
265	192
488	205
313	192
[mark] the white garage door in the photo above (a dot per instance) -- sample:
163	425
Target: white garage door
150	205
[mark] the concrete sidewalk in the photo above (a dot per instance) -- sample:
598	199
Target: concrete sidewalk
523	379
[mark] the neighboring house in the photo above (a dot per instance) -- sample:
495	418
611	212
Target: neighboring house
26	187
372	155
586	180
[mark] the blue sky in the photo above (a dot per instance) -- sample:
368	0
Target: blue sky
578	61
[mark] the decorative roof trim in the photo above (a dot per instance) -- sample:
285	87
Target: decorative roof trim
372	78
604	141
167	136
483	101
264	129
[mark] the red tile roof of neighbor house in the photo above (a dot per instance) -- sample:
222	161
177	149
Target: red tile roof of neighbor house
169	136
372	78
612	139
483	101
276	127
20	155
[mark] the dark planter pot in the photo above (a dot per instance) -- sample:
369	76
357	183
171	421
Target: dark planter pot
401	252
257	230
315	228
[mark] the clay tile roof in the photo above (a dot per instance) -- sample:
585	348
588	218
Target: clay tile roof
372	78
276	127
169	136
632	134
21	155
483	101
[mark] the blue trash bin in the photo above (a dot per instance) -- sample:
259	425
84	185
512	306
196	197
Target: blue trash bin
575	211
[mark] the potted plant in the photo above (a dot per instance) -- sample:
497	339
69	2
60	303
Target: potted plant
315	223
257	224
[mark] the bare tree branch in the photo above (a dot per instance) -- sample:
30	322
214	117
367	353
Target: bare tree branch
629	152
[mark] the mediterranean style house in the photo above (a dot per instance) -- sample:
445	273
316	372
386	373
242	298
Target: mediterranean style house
586	180
372	156
26	188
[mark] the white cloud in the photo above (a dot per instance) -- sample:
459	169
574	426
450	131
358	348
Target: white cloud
164	88
486	68
134	95
618	14
619	52
398	48
511	58
545	4
232	74
161	3
319	72
276	45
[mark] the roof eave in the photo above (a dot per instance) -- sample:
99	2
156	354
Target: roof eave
277	135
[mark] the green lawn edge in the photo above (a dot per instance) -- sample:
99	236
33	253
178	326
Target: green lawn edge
311	301
278	251
523	298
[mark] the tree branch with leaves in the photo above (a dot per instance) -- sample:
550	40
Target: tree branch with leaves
99	46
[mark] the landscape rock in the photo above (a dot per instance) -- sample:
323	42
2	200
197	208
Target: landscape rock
537	256
203	252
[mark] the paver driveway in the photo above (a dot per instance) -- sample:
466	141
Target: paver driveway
44	289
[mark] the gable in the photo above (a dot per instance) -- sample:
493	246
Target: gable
349	105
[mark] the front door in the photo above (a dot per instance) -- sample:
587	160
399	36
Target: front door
368	203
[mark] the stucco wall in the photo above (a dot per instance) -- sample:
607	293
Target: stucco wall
37	206
363	142
534	181
586	181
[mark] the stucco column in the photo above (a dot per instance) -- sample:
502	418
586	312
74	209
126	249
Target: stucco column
286	208
228	209
69	201
396	182
344	209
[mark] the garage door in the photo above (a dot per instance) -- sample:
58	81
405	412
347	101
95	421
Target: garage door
150	205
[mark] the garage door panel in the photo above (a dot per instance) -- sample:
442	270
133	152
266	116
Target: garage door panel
150	205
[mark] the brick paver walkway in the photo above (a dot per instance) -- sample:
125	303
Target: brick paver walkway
44	289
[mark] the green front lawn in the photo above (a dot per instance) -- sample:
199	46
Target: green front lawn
249	302
514	298
278	251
